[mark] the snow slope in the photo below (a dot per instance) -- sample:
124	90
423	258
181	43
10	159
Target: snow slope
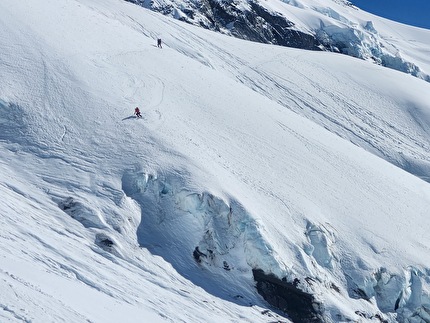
367	36
262	157
330	25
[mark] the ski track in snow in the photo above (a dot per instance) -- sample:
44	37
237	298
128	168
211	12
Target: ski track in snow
359	123
101	212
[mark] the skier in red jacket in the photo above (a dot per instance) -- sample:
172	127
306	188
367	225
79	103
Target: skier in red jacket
137	113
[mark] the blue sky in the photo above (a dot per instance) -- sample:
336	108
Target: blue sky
411	12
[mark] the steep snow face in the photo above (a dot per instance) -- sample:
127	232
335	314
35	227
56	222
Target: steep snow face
336	26
224	239
246	174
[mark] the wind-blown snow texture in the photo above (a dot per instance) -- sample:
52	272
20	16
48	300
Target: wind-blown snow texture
307	170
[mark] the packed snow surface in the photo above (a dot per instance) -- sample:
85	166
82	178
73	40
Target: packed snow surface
311	166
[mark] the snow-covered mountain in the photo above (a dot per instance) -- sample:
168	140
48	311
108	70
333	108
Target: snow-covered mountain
262	184
332	25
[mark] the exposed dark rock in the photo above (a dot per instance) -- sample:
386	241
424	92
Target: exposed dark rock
397	304
197	254
287	297
87	216
104	242
269	28
250	20
358	293
371	317
256	24
226	266
335	287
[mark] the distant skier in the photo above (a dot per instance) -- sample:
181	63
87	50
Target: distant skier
137	113
159	43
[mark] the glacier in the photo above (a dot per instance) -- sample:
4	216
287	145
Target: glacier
263	183
328	25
